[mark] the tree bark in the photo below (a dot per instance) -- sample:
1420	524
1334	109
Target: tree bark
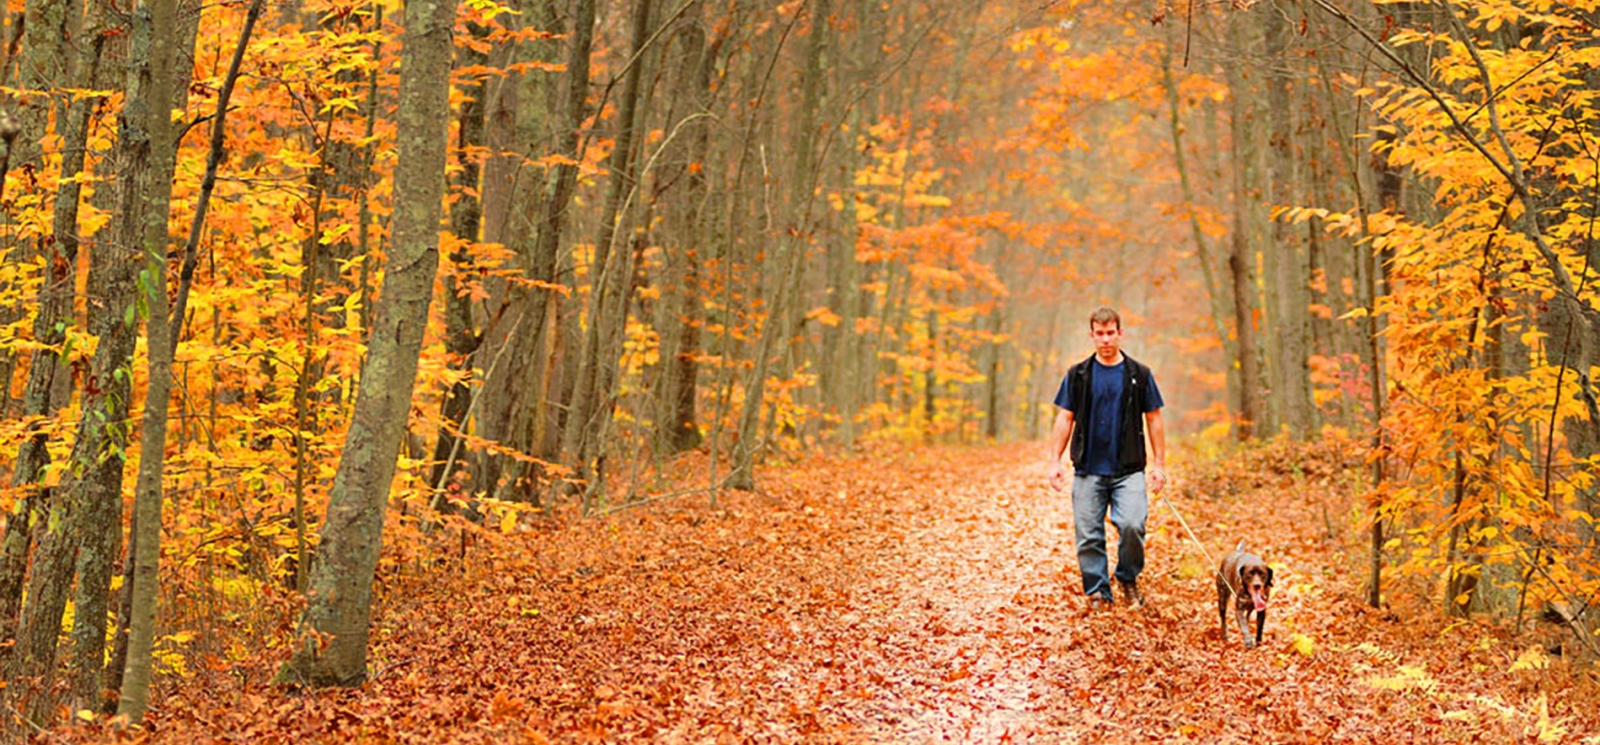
1242	258
466	216
506	415
49	25
164	332
49	329
1291	316
610	275
992	390
88	512
777	327
332	649
686	226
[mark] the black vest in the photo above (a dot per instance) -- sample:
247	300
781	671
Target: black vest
1135	394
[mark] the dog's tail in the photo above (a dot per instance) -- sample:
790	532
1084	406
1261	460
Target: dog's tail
1239	547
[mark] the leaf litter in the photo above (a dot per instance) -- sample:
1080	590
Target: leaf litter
901	594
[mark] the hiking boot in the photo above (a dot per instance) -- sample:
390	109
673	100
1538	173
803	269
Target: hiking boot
1131	594
1099	603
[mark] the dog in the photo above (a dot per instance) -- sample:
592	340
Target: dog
1246	580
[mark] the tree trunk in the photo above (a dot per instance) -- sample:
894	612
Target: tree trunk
466	212
687	227
1290	312
843	366
1218	294
521	117
164	332
991	404
153	241
610	273
49	330
505	414
89	509
333	644
777	327
83	533
1242	257
49	24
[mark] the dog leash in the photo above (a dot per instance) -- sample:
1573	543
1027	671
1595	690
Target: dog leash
1186	529
1215	570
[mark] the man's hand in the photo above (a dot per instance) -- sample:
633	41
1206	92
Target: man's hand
1157	479
1058	477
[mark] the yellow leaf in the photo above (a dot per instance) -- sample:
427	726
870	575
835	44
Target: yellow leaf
86	715
927	200
823	315
332	234
340	102
508	520
1303	644
1407	678
1532	658
1549	730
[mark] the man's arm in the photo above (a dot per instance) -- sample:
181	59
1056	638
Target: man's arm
1157	430
1060	435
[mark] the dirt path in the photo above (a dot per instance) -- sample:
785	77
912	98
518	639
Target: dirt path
957	618
968	625
907	596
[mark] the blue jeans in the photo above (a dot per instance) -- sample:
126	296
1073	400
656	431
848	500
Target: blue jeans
1124	497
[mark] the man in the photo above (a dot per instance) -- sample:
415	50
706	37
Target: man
1105	405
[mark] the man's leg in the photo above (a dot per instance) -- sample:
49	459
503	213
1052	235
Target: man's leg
1089	501
1130	507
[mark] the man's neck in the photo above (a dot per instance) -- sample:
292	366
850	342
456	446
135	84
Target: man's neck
1113	362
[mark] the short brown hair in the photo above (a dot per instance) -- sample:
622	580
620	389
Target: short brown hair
1105	314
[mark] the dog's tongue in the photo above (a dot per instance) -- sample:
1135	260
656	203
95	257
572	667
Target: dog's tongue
1261	603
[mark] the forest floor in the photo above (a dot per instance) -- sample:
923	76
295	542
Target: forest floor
908	595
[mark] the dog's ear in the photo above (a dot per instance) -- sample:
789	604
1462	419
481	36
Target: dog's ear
1243	581
1269	576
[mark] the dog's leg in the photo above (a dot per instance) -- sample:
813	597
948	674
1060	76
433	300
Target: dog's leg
1243	617
1261	622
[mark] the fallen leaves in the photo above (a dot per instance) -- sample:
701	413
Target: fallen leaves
895	596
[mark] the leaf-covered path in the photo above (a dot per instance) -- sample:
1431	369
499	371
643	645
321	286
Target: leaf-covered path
921	595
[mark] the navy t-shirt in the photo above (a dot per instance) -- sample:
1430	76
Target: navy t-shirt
1104	430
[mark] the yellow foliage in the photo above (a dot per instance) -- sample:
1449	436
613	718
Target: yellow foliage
1303	645
1532	658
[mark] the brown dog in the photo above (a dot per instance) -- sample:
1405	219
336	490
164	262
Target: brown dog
1247	580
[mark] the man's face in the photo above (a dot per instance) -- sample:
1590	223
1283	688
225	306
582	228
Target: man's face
1107	338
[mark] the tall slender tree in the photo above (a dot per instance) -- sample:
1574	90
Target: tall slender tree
516	401
466	219
333	636
45	370
611	275
1242	255
1287	260
782	288
681	317
163	333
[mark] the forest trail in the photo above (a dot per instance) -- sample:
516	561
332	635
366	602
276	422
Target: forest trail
916	595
